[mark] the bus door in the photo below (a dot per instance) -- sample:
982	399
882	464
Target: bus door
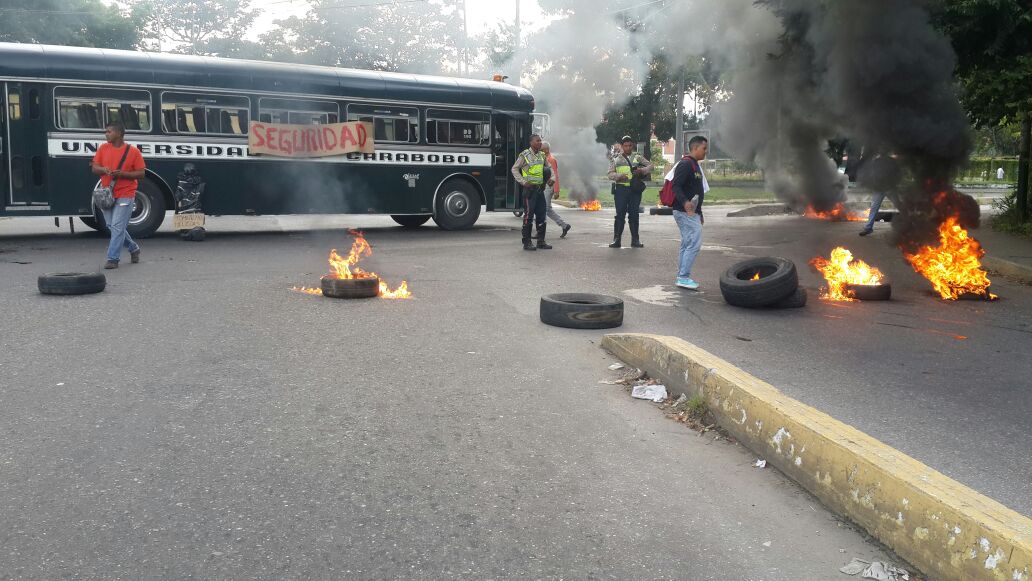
25	144
511	136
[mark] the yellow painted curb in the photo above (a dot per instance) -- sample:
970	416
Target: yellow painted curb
941	526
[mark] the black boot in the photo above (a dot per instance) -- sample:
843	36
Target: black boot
618	225
541	238
526	234
635	241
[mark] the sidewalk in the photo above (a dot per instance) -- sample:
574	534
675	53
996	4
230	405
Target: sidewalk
1006	254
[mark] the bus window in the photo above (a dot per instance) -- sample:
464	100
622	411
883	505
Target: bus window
135	116
390	124
457	127
79	115
91	109
209	114
298	112
34	104
14	104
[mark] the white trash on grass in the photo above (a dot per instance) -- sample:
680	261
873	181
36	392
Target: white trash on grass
656	393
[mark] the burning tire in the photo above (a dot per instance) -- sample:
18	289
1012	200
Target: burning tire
410	221
457	205
71	283
796	300
581	311
350	288
870	292
759	282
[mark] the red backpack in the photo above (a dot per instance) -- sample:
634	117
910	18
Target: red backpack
666	195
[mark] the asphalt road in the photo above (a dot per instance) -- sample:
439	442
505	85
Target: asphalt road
200	420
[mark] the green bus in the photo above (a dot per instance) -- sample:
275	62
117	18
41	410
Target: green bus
444	146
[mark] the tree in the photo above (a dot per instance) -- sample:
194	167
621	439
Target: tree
68	22
412	37
993	42
496	47
205	27
654	110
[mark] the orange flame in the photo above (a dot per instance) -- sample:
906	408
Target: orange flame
591	206
346	267
954	267
837	214
756	276
841	270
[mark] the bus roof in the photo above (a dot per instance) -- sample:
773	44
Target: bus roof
122	67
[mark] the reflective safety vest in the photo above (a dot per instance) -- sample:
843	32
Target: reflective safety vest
622	166
534	167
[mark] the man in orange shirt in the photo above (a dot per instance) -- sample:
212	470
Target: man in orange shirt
106	165
554	194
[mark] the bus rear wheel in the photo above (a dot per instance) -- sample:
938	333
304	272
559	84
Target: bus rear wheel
457	206
410	221
97	223
148	212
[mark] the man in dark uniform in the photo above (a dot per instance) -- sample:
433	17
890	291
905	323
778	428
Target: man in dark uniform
532	173
628	171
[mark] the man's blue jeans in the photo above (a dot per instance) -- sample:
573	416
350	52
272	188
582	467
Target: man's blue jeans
876	203
691	241
117	219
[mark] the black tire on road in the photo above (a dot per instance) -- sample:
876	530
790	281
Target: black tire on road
869	292
778	280
457	206
350	288
796	300
71	283
410	221
581	311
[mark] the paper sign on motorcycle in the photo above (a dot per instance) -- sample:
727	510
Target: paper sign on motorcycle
285	140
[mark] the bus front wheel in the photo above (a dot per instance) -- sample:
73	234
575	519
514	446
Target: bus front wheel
457	206
410	221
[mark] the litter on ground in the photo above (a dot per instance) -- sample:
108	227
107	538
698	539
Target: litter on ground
760	464
656	393
877	570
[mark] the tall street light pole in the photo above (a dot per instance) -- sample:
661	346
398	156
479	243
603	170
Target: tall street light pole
516	49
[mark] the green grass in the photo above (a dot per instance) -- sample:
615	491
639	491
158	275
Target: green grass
716	195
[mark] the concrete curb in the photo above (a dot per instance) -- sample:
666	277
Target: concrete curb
941	526
1008	268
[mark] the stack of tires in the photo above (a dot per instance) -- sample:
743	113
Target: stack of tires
768	282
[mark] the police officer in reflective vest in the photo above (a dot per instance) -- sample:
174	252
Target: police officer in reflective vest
532	172
628	171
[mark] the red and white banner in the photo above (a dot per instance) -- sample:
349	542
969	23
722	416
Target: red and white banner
309	140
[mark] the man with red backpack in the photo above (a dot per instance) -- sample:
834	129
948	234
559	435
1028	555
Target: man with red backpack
689	188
